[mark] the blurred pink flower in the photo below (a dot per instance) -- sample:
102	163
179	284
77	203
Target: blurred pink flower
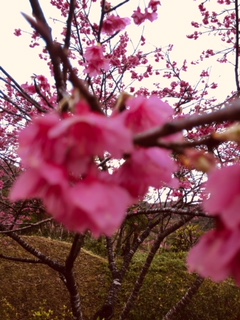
147	113
217	255
114	24
81	137
59	157
223	186
146	167
139	17
104	205
36	183
90	204
96	62
35	147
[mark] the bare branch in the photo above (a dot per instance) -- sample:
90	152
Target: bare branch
237	48
149	138
29	226
25	260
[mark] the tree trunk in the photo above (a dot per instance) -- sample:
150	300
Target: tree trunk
75	299
139	283
186	299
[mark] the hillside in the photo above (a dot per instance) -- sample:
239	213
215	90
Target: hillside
29	291
29	287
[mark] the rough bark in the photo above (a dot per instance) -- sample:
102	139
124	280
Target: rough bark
186	299
138	285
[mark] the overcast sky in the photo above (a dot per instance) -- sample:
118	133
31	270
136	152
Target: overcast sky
174	23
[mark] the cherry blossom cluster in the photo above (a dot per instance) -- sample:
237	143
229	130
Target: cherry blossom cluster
218	252
62	155
150	13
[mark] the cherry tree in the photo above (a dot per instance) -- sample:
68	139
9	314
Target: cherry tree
92	143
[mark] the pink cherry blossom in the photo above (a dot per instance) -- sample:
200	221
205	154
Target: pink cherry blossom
74	141
147	113
153	4
139	17
114	24
92	134
35	183
96	62
151	16
17	32
146	167
105	205
59	156
224	200
90	204
217	255
34	144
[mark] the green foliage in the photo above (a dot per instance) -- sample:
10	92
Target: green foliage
168	281
97	246
44	314
8	312
185	238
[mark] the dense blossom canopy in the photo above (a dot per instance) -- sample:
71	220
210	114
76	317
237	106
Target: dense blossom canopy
60	153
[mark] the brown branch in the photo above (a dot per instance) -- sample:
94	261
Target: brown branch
37	12
69	24
21	91
41	26
68	33
117	6
36	253
75	250
178	211
101	20
185	300
41	95
31	225
78	83
138	285
237	48
149	138
24	260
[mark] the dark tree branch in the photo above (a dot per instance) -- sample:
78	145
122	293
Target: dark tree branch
171	210
41	95
69	24
37	12
237	48
186	299
21	91
117	6
75	250
101	20
138	285
30	226
78	83
36	253
41	26
149	138
68	33
26	260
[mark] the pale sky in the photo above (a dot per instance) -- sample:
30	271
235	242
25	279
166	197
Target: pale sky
173	24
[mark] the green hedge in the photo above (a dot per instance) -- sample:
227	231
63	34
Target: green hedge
168	281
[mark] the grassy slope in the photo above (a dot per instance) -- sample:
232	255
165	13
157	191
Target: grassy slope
26	287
